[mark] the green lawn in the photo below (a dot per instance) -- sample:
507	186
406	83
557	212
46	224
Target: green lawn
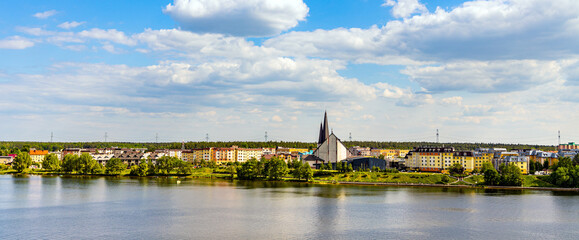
425	178
534	181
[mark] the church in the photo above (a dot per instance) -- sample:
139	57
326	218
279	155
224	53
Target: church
330	148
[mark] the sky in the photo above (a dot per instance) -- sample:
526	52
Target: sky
492	71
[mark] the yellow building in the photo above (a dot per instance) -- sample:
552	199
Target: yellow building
520	161
244	154
430	159
480	158
38	155
464	158
225	155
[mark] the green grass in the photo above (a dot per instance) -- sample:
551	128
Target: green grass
534	181
424	178
475	179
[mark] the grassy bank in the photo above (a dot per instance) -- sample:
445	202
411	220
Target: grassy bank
424	178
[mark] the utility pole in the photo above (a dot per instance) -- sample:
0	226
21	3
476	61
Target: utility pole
265	136
106	136
437	135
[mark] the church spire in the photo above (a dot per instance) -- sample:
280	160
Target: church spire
324	130
326	127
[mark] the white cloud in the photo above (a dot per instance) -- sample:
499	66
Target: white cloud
46	14
487	76
276	118
476	30
15	42
240	18
112	35
405	8
69	25
456	100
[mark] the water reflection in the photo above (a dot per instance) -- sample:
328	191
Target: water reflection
165	207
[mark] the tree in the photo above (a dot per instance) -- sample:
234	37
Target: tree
532	166
183	167
456	168
249	170
491	176
70	163
276	168
87	164
307	172
51	162
350	168
115	166
21	162
511	175
166	164
546	164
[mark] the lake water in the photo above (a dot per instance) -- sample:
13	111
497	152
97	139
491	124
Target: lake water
41	207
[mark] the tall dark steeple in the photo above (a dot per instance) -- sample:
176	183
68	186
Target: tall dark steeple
324	130
326	127
321	136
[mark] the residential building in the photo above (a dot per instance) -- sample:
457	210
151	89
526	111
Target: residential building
37	155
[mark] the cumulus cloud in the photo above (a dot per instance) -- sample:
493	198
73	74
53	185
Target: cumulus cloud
240	18
15	42
112	35
405	8
46	14
404	97
456	100
70	25
476	30
479	76
276	118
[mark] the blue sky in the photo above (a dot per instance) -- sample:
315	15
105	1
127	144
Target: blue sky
385	70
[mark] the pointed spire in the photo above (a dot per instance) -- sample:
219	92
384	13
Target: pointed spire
326	127
321	136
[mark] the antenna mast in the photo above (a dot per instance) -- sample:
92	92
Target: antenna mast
437	135
106	136
265	136
559	133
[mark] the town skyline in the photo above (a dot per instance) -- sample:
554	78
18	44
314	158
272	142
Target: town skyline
384	70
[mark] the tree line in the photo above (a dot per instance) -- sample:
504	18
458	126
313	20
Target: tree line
85	164
16	147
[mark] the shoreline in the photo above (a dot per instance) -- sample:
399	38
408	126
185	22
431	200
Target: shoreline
325	182
454	186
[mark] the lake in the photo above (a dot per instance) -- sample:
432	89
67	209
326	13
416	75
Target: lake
59	207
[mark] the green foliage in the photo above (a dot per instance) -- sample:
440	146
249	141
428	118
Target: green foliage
183	167
456	168
511	175
249	170
276	168
88	165
565	173
134	170
166	164
350	168
22	162
491	176
51	162
70	163
115	166
445	179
